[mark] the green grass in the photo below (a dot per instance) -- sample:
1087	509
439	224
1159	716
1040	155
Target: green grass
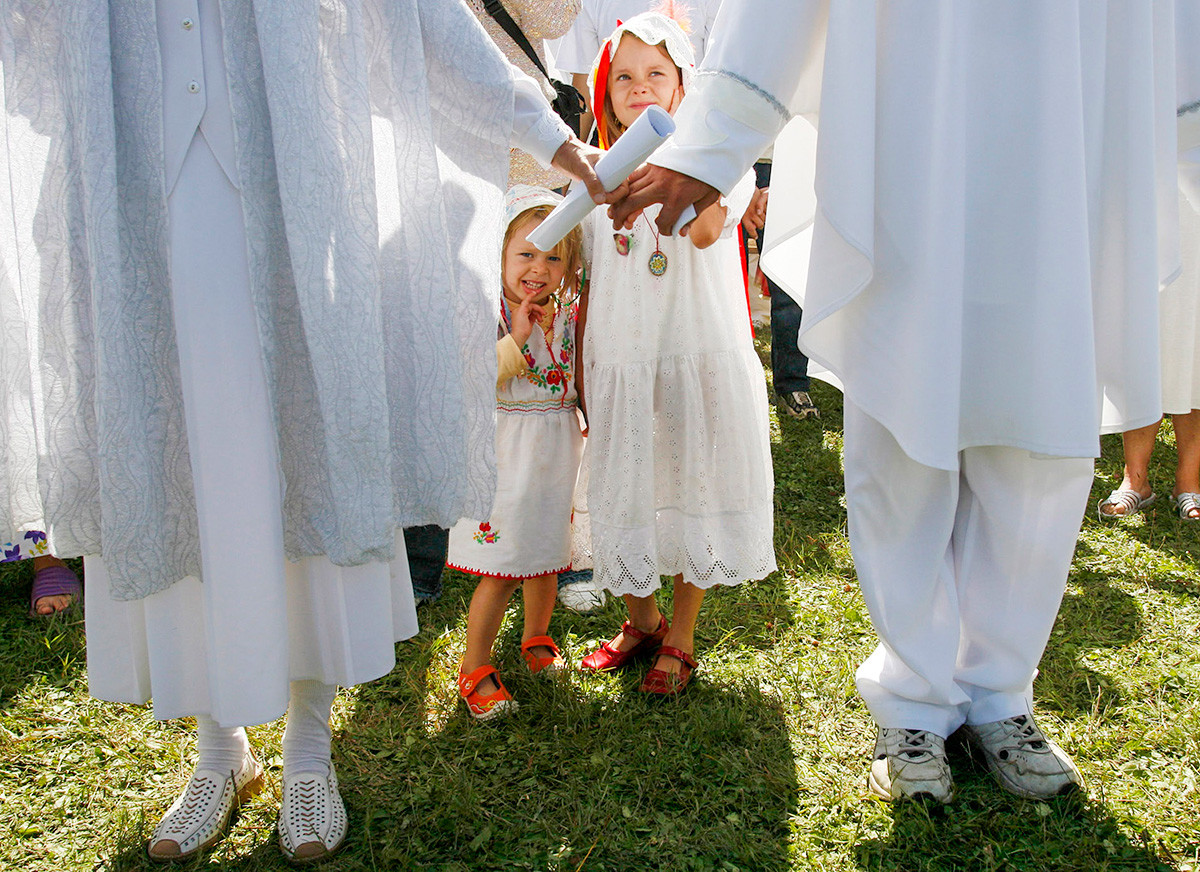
760	766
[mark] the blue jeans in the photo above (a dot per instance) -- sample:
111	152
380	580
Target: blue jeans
789	365
427	547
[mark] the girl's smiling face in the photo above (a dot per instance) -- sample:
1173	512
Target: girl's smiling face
529	270
640	76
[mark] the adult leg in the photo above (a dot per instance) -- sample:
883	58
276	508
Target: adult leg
1014	538
1138	445
427	546
1187	449
225	776
312	818
901	519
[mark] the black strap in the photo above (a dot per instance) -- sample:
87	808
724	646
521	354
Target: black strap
496	9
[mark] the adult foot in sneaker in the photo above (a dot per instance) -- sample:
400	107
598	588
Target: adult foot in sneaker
910	764
1023	760
797	404
581	597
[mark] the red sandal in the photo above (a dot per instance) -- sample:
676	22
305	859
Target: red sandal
485	707
663	683
550	665
607	657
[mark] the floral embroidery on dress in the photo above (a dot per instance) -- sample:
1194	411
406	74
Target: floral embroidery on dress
485	535
555	376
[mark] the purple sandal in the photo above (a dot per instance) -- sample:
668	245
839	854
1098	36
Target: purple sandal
53	581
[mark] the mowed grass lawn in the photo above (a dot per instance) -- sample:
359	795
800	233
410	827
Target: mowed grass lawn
760	766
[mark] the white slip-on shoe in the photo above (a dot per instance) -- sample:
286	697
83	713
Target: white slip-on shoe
1023	760
910	764
200	816
312	818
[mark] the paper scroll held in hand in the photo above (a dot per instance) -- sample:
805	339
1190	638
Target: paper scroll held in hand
628	153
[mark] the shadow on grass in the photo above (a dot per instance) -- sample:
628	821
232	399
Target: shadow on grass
586	769
976	832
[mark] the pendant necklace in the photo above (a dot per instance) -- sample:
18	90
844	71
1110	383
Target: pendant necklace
658	260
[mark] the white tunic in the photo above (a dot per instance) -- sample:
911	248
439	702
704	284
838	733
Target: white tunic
227	640
679	455
992	184
538	446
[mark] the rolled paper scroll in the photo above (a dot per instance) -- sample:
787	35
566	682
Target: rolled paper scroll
628	153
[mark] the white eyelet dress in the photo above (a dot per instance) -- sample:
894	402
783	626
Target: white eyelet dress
679	454
538	447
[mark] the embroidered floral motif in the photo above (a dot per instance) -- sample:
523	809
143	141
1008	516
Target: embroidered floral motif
554	377
485	535
34	546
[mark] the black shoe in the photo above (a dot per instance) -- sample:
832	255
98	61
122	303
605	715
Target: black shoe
797	404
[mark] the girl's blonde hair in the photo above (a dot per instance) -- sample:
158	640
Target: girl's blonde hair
569	248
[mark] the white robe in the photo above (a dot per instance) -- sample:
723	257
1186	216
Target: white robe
992	185
226	640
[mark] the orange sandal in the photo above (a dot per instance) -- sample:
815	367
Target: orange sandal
551	665
485	707
663	683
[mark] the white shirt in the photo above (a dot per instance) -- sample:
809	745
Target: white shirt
576	52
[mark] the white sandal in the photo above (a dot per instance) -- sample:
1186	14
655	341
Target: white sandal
1185	504
200	816
312	818
1129	501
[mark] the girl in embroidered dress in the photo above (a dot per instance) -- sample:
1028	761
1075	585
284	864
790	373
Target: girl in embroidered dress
527	539
681	480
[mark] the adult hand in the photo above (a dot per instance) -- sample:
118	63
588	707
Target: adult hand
755	216
577	160
652	184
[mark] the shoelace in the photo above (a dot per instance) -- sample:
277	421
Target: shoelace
915	743
1025	732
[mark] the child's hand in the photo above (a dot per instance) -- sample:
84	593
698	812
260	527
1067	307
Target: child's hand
525	318
756	213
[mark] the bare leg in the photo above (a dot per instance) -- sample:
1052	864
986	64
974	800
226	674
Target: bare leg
682	634
483	620
539	594
1187	447
1138	445
643	614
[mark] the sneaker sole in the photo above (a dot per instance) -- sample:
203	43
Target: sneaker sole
920	796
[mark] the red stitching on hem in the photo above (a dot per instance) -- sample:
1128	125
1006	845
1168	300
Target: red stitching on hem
566	568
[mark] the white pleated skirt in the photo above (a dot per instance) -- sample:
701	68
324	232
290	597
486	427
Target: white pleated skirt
228	643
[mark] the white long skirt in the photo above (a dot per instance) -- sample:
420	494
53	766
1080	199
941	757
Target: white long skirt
1179	322
226	645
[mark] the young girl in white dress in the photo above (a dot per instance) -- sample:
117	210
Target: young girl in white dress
681	481
527	539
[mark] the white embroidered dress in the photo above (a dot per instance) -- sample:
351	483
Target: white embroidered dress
679	456
538	447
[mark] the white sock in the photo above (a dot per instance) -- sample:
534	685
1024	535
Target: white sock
306	738
221	749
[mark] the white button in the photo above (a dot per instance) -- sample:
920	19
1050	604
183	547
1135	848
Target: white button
188	24
193	87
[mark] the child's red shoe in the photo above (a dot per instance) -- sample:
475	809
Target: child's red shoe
481	706
607	656
550	665
663	683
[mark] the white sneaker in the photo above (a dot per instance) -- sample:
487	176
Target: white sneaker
910	764
200	816
581	597
1023	760
312	818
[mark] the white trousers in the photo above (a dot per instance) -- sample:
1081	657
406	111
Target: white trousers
962	571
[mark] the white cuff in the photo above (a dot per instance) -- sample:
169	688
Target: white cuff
722	127
536	129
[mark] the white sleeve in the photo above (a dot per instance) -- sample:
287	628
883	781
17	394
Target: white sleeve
536	129
751	82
